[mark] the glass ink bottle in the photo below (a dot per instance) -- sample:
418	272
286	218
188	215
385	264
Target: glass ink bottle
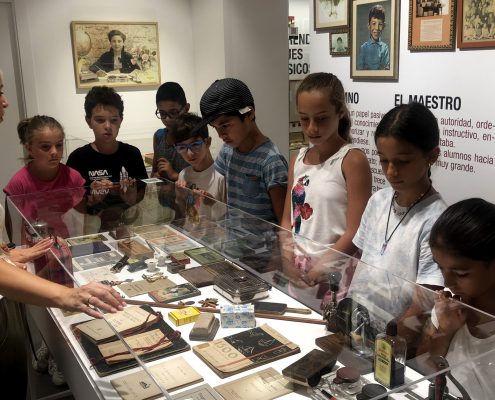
390	357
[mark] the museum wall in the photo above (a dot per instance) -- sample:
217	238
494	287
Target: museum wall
194	40
466	81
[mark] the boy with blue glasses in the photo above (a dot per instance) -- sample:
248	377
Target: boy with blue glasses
194	147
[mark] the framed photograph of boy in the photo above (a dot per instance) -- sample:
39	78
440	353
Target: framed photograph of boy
431	25
115	53
329	14
475	24
375	40
339	42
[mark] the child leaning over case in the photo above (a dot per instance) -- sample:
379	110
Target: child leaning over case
106	161
170	103
255	172
463	244
201	176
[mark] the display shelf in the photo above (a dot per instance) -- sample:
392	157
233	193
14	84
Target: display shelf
157	220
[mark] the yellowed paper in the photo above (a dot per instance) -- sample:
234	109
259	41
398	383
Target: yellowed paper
171	375
146	340
264	385
130	317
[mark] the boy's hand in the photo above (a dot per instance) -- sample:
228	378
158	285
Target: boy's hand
164	166
181	183
103	183
451	314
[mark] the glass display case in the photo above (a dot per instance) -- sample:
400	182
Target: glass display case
188	265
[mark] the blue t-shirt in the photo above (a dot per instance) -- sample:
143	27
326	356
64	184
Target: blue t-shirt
373	55
249	177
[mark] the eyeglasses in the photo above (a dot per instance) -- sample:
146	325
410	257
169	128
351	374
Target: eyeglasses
172	114
195	147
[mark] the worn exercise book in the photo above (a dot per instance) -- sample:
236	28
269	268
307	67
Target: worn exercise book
142	343
204	255
103	368
171	374
205	275
267	384
85	249
98	330
201	392
174	293
136	288
245	350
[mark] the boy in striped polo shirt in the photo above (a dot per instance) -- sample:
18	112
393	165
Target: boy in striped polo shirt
255	172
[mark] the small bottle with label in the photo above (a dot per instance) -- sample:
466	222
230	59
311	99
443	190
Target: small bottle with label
390	357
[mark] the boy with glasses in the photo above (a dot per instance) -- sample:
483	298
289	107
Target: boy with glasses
170	103
194	147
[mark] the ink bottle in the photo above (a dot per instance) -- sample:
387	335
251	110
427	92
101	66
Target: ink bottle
390	357
347	383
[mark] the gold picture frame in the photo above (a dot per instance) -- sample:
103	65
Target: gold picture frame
95	45
340	42
368	61
431	25
475	25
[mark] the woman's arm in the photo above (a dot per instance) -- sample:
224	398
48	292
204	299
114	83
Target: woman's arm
20	285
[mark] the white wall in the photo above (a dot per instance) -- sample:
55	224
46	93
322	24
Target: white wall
465	74
48	71
256	52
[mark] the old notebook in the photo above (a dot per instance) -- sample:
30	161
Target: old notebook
205	275
245	350
131	318
104	368
171	374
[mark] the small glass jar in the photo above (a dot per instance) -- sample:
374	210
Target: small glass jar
347	382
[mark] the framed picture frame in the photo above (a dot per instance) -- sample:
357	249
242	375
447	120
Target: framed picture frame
375	40
340	43
329	14
431	25
115	53
475	25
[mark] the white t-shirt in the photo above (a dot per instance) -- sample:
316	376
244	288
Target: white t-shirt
407	257
211	181
319	198
476	376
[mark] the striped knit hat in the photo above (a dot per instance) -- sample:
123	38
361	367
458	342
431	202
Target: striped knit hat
225	96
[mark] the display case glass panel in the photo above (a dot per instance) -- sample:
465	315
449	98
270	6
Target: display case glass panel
166	248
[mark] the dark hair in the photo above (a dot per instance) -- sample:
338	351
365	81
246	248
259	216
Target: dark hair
103	96
466	229
325	81
27	127
115	32
378	12
340	38
182	128
171	91
413	123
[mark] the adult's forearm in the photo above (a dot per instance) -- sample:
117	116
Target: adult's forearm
22	286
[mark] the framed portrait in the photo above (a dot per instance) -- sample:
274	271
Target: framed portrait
375	40
115	53
431	25
339	41
475	24
329	14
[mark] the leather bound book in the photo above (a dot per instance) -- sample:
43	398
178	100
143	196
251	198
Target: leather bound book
307	371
